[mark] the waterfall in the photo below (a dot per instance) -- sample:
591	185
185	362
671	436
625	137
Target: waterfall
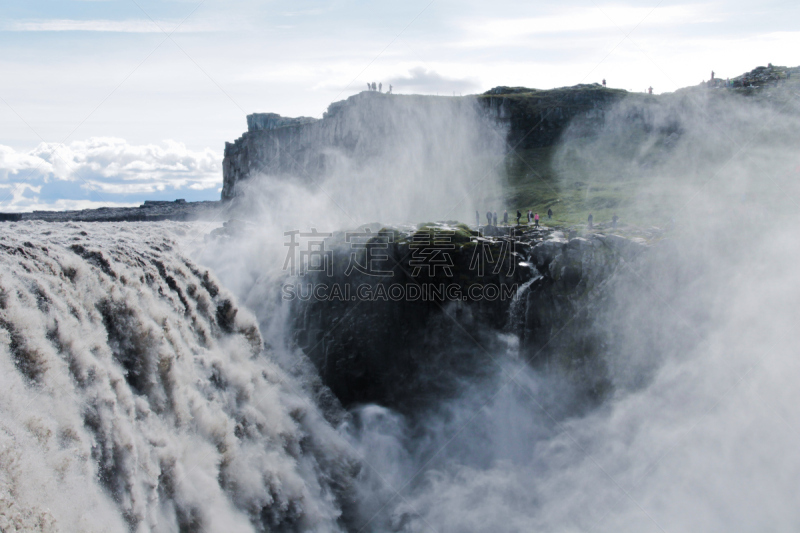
137	396
516	310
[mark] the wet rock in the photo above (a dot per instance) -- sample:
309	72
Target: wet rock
386	350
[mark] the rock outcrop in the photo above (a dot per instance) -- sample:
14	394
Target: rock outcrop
560	326
403	352
762	76
537	118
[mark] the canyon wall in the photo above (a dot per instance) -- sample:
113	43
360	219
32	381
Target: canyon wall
307	148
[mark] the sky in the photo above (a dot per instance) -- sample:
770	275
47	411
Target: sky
112	102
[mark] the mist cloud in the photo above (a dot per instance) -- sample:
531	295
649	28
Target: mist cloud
698	335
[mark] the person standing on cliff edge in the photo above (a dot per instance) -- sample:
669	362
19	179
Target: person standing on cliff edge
536	220
519	216
505	217
380	87
494	217
604	82
549	213
614	221
591	220
488	218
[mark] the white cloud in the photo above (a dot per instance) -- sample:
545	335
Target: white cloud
494	32
422	80
105	169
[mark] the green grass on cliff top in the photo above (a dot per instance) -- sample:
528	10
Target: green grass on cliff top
533	183
544	178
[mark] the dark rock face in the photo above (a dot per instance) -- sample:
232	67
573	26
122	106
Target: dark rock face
560	327
399	348
271	121
357	127
761	76
538	118
404	353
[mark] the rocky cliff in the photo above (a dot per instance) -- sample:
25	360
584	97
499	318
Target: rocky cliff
307	148
357	127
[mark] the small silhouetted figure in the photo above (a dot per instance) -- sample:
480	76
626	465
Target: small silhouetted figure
374	87
477	218
549	213
614	221
712	75
519	216
536	220
489	218
604	82
505	218
495	218
650	90
380	87
390	89
369	86
591	221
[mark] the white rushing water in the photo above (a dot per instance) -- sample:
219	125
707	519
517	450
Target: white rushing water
137	396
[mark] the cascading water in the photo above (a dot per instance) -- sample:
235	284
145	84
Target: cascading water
136	396
516	309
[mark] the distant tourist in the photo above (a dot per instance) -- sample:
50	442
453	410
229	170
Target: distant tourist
650	90
536	220
614	221
505	217
489	218
519	216
712	75
495	218
369	86
604	82
390	89
591	221
549	213
380	87
374	87
530	216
